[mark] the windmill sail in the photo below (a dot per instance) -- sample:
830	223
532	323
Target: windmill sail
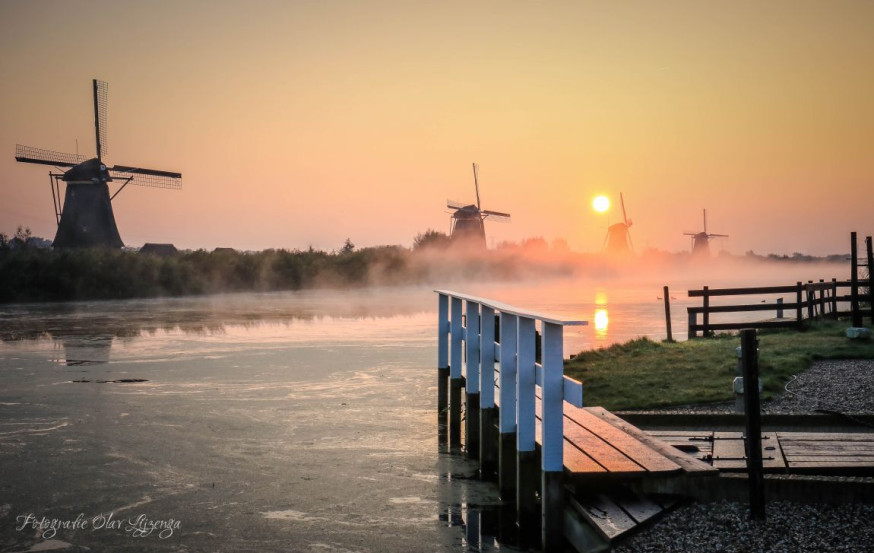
29	154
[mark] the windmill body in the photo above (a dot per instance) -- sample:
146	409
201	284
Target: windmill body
467	221
618	239
85	217
701	240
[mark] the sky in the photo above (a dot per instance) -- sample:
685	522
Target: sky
303	123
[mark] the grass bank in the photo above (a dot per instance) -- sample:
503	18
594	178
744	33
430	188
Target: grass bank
644	374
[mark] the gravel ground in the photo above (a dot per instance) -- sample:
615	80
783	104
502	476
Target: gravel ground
845	386
789	527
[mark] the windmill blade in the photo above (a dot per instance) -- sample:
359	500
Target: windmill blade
717	236
497	214
29	154
705	221
476	184
452	204
624	217
630	243
101	97
147	177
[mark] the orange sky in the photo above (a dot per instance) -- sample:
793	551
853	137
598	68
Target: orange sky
303	123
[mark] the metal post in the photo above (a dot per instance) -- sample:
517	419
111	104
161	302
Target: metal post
526	455
854	281
668	313
507	414
488	412
472	395
749	345
552	417
455	379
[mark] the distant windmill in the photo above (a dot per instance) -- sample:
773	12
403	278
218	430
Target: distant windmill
618	239
701	240
85	217
466	223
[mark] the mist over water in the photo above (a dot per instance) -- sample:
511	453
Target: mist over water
282	420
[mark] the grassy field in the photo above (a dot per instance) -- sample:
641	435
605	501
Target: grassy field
644	374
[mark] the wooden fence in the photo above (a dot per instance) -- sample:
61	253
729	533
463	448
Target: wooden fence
812	299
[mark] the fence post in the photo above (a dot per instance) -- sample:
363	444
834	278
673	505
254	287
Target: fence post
798	317
705	316
810	301
854	281
472	395
834	298
749	345
526	454
442	366
552	447
870	252
507	413
779	308
455	379
692	322
668	313
822	298
488	416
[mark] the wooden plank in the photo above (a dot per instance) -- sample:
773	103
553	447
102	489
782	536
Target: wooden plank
831	464
669	458
573	460
639	507
743	291
603	452
831	447
604	515
826	436
729	451
830	459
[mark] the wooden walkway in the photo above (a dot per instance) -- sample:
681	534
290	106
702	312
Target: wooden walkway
597	443
782	452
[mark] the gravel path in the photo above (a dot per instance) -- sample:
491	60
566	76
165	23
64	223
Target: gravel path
846	386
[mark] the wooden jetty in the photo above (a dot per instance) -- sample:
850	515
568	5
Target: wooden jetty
575	474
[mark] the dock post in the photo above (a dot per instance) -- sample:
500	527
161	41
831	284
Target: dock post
472	389
552	448
442	367
750	359
507	413
455	378
668	313
527	477
854	281
488	412
779	308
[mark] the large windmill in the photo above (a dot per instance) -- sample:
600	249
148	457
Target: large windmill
85	216
466	223
618	239
701	240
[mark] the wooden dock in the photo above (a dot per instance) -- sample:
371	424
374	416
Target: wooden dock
582	475
782	452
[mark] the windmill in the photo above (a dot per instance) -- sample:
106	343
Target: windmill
618	239
701	240
466	222
85	216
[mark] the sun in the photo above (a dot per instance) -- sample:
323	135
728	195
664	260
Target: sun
601	204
